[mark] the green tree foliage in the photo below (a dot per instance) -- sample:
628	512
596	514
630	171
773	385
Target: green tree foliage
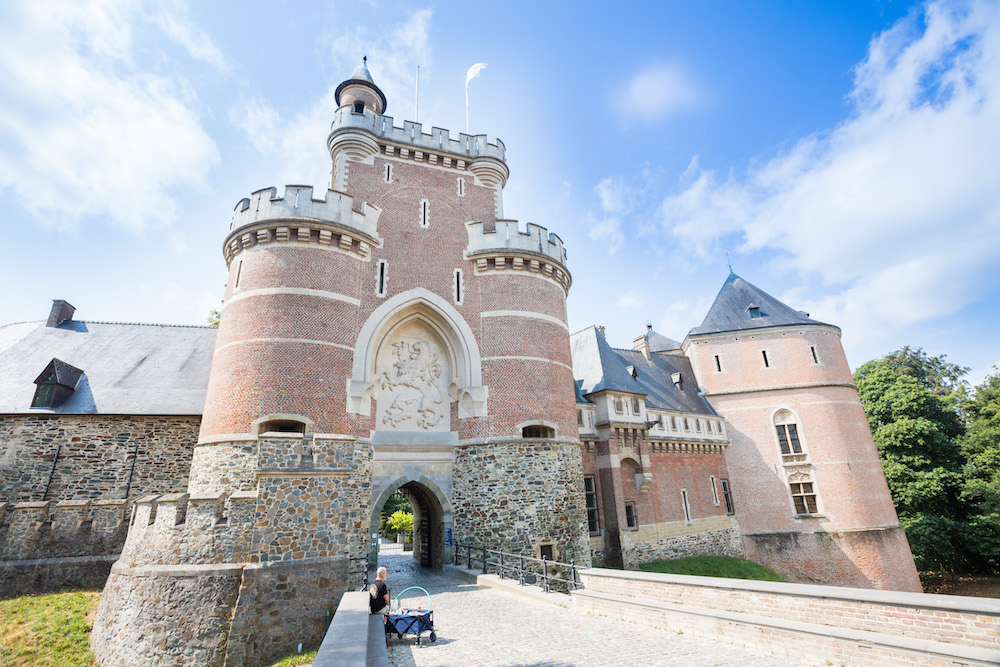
397	502
213	318
912	402
402	522
980	446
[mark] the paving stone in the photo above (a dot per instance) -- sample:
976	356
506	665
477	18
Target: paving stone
485	626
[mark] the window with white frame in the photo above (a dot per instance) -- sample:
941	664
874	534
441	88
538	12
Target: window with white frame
635	405
619	406
380	281
804	496
687	507
461	187
458	287
425	213
788	433
715	490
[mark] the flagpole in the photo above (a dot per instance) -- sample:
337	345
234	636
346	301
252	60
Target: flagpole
416	98
469	76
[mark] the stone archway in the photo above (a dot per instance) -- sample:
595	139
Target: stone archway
432	521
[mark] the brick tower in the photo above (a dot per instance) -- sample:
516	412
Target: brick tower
395	333
813	502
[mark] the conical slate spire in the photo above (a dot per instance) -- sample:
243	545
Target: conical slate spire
741	306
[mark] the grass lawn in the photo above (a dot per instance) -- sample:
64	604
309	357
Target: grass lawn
712	566
43	630
304	658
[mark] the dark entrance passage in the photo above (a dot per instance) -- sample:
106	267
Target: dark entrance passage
428	527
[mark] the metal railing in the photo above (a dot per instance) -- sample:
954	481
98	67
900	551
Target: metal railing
551	575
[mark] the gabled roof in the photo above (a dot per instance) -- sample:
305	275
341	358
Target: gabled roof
59	372
660	343
598	367
730	312
143	369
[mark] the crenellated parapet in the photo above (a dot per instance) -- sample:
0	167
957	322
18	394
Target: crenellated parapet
335	223
506	248
176	529
362	135
68	528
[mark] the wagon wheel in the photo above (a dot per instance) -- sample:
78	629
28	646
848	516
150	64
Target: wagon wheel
434	636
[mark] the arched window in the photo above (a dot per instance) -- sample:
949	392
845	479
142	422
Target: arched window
804	495
788	433
536	431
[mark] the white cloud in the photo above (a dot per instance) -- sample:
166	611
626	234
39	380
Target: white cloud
172	18
615	201
84	131
631	300
298	141
896	208
658	91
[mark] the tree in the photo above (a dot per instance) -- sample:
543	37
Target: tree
911	402
980	447
402	522
213	317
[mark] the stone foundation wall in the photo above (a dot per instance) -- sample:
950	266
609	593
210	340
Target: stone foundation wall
76	457
712	543
46	575
223	467
517	494
873	558
70	528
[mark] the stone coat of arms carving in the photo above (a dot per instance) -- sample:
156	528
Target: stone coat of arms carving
413	386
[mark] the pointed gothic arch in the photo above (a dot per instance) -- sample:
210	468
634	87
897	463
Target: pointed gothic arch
422	308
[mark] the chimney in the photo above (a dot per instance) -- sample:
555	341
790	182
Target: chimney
641	344
600	330
61	312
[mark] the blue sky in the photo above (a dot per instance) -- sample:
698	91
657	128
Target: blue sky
845	154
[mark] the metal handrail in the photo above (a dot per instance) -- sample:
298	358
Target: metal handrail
508	565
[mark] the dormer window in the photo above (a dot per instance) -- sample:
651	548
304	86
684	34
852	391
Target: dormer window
56	384
631	371
753	311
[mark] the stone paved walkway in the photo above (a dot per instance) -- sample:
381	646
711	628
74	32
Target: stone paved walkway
483	626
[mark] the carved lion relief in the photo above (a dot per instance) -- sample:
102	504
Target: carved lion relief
412	377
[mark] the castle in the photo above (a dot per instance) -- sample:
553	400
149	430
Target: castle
398	333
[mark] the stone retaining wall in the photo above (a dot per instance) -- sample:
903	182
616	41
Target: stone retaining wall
69	528
844	625
75	457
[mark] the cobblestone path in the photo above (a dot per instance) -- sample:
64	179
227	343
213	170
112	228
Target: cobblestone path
483	626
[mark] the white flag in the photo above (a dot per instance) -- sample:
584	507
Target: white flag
472	74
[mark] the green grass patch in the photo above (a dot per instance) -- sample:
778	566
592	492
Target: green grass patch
44	630
296	659
713	566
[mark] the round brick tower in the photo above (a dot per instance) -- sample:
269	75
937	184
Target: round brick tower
812	501
392	333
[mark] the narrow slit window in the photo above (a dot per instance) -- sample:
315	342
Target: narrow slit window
631	520
727	496
239	272
812	348
767	364
590	492
715	490
388	173
461	187
458	286
687	507
380	285
718	364
424	212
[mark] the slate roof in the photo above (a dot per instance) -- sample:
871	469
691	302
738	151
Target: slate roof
660	343
729	312
597	367
142	369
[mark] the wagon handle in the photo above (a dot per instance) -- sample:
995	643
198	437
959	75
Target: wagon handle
411	588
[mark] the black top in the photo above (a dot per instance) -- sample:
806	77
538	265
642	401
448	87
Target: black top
376	602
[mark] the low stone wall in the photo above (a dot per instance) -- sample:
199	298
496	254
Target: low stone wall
848	626
70	528
355	637
47	575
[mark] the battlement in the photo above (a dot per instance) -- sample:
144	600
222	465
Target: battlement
180	529
505	246
468	146
67	528
333	223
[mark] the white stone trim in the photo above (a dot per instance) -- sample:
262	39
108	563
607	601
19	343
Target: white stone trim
304	341
519	358
301	291
524	313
